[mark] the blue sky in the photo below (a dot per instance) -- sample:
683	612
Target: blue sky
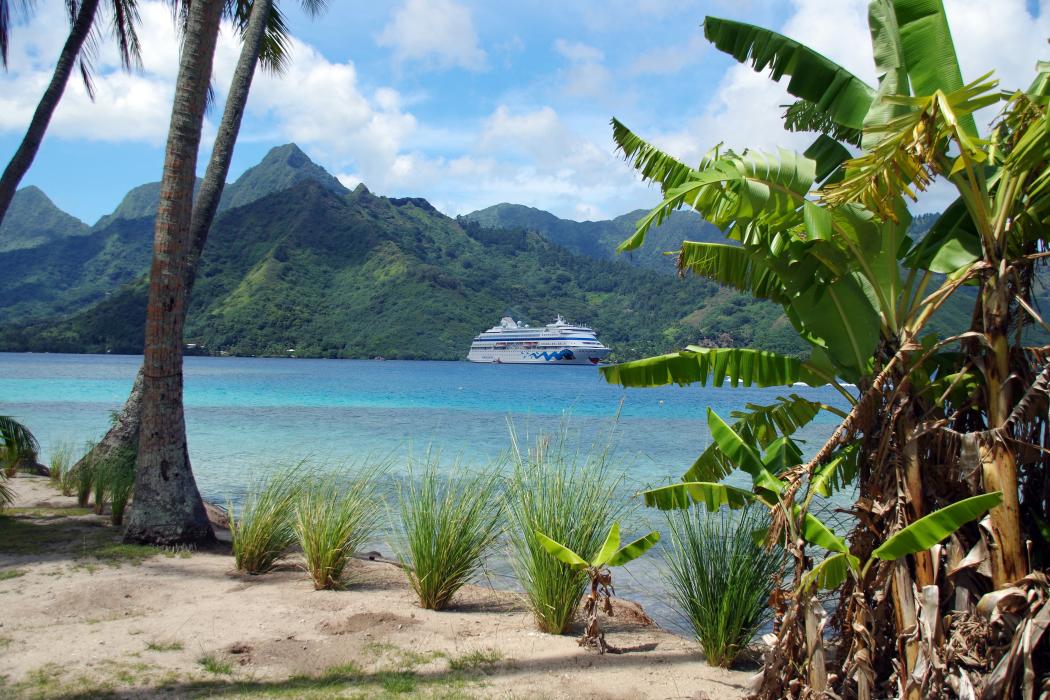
470	103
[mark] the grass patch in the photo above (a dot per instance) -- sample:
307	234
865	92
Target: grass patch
263	532
117	473
8	574
5	642
38	512
448	525
60	461
77	539
215	665
333	519
119	553
477	660
397	682
719	577
571	499
164	646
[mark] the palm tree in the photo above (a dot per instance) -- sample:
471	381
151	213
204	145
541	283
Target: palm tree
167	505
264	39
78	48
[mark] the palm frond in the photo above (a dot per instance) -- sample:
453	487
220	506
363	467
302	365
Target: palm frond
15	438
803	115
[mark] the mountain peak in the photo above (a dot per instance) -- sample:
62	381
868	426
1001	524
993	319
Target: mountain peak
279	169
33	219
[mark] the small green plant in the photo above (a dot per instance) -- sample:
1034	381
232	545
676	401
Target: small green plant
213	664
117	472
333	519
720	577
60	461
569	499
164	646
611	554
263	531
477	660
448	525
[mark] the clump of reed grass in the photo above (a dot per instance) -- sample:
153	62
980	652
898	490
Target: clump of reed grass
333	518
83	477
117	472
720	577
59	462
262	532
448	525
571	498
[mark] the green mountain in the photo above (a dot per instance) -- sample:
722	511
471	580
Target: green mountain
338	274
33	219
598	239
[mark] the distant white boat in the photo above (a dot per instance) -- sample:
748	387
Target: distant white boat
557	343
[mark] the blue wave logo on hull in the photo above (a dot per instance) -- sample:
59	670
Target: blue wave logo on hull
548	356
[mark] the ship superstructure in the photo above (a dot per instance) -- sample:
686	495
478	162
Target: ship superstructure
558	343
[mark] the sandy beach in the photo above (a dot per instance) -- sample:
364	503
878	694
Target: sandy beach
84	616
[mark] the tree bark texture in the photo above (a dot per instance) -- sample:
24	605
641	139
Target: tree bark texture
23	157
125	431
168	507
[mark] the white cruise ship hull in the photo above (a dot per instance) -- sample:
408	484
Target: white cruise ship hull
564	356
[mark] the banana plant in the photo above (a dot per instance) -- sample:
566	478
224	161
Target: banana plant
611	554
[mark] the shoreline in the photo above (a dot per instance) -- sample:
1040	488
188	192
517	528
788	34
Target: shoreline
87	616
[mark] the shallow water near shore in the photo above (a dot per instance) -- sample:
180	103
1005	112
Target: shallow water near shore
246	416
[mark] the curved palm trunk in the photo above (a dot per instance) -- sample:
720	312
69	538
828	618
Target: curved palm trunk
168	507
23	157
125	430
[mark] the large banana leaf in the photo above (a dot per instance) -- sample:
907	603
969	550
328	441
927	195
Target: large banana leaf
714	365
829	86
928	531
733	266
838	472
816	532
951	243
742	454
737	189
831	572
889	65
712	495
929	52
612	543
653	164
561	552
803	115
759	424
631	551
828	154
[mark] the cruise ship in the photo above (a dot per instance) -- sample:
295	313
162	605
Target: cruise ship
557	343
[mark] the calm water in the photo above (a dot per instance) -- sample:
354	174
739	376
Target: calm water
246	416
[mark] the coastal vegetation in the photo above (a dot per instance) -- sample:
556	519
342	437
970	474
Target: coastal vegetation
264	528
449	523
334	516
720	577
940	429
570	498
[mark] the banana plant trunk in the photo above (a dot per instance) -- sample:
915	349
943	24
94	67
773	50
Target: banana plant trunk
125	430
168	507
27	150
998	466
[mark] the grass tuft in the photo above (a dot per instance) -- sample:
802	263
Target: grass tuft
448	525
333	519
720	578
60	461
8	574
164	646
83	477
570	499
262	533
213	664
117	472
477	660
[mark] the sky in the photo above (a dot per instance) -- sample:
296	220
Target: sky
469	104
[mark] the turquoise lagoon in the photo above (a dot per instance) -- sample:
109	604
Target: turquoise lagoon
246	416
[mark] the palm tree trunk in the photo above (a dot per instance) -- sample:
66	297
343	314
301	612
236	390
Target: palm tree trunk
23	158
168	507
125	431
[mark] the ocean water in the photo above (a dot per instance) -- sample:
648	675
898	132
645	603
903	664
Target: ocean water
248	416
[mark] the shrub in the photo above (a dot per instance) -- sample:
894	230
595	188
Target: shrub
262	533
571	501
333	519
60	461
720	577
448	525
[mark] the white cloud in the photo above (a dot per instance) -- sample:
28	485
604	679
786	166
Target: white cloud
586	75
439	32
